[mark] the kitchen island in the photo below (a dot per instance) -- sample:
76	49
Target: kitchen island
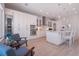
54	37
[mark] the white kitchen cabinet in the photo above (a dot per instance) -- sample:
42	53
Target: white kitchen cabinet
22	21
39	21
54	37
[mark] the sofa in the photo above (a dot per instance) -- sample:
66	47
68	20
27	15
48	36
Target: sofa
9	51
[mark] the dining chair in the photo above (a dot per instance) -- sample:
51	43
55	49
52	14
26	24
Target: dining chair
68	36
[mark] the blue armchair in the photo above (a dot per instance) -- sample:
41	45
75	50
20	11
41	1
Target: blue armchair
9	37
17	38
8	51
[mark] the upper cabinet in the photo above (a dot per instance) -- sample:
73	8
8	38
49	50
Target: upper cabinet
32	20
22	17
39	21
50	24
44	20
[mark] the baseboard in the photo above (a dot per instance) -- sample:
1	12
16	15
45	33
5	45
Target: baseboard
38	38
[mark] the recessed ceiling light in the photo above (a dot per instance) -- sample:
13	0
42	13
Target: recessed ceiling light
46	12
73	8
40	10
59	16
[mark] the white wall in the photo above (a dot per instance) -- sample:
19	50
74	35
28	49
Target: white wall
1	21
73	21
22	22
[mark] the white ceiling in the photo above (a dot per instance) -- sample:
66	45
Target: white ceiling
50	10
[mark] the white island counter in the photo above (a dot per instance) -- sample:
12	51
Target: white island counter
54	37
